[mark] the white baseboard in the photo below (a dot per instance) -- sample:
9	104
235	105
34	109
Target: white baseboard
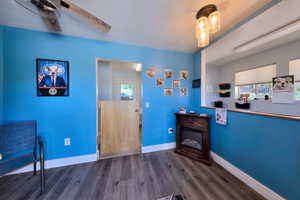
58	163
254	184
158	147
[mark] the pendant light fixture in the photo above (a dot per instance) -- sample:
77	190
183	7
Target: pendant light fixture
208	21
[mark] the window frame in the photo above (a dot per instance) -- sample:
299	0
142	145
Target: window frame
293	59
237	87
253	68
295	90
237	90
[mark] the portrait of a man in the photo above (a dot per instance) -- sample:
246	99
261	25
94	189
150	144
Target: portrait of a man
52	78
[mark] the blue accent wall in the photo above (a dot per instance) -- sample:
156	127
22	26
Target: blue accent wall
1	75
75	116
266	148
196	95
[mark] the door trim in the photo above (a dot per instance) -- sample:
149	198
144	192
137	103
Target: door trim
97	97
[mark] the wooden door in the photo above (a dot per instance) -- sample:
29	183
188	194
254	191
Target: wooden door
119	129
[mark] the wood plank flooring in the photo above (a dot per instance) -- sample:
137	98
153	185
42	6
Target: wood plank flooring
137	177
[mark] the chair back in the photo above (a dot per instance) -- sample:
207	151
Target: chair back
17	144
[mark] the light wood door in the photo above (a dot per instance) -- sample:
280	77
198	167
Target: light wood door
119	127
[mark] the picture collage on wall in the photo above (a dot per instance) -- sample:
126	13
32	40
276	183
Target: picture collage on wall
168	74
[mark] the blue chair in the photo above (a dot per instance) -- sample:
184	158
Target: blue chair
18	148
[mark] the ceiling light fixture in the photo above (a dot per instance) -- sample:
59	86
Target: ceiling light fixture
208	21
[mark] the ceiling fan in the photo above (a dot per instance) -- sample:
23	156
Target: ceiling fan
49	11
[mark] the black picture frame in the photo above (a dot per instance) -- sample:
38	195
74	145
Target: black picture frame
196	83
61	87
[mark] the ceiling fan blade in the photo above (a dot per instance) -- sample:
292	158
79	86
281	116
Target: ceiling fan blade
86	16
52	22
28	5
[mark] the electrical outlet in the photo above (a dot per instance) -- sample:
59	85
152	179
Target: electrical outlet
170	130
67	141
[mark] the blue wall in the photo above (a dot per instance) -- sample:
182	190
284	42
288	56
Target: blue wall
196	95
266	148
75	116
1	74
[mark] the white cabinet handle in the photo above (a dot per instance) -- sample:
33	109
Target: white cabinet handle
1	156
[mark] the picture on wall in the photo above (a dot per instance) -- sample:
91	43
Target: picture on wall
176	83
168	91
168	73
151	72
283	84
160	82
221	116
52	77
183	92
283	89
184	75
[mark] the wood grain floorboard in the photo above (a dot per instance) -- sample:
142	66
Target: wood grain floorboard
212	191
137	177
78	176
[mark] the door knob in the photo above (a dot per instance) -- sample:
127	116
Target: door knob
136	110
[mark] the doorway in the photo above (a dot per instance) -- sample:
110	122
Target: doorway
118	108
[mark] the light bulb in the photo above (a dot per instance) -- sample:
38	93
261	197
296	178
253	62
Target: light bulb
214	22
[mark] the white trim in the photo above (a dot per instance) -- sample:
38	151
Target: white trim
58	163
254	184
158	147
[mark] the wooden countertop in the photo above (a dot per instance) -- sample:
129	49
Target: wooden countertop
194	115
259	113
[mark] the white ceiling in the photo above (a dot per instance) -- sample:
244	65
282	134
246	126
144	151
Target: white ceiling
163	24
222	51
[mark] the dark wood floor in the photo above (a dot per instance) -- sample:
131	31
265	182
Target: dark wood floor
139	177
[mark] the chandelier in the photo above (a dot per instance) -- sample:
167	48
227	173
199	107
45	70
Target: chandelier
208	22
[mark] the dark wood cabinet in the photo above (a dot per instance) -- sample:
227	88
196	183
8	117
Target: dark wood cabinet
193	136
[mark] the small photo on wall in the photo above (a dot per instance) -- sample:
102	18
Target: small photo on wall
151	72
168	73
221	116
176	83
52	77
160	82
168	91
184	75
183	92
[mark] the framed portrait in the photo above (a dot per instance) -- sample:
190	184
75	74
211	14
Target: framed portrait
168	73
168	92
160	82
183	92
176	83
184	75
196	83
151	72
52	77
